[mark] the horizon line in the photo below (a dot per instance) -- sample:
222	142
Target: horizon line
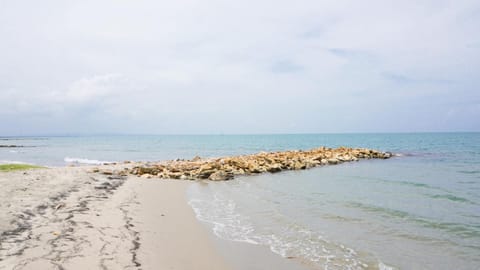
228	134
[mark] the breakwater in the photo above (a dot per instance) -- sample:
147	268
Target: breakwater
226	168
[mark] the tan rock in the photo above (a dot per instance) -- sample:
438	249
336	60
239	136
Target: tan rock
332	161
220	176
175	175
299	166
107	172
253	168
239	171
274	168
226	168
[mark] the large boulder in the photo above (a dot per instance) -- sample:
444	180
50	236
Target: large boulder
332	161
274	168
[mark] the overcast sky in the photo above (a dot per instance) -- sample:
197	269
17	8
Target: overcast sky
181	67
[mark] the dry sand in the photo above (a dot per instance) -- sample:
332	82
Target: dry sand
67	218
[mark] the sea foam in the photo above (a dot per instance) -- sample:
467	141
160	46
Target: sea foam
85	161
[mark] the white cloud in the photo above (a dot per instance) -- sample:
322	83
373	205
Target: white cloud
239	67
89	89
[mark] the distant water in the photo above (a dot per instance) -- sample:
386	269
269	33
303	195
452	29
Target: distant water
417	211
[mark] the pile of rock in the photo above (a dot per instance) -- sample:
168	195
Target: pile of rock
220	169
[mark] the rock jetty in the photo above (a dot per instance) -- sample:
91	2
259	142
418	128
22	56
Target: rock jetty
220	169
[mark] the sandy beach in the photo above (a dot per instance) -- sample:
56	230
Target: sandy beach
120	216
246	135
68	218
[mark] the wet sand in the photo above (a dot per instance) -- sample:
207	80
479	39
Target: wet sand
68	218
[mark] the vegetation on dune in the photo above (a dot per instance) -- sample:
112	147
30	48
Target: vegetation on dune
17	167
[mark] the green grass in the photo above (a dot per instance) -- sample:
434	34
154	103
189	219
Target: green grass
17	167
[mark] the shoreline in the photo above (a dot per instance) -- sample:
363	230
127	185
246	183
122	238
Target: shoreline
112	216
70	218
170	235
417	201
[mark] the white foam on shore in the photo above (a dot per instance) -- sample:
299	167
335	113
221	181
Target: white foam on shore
227	224
85	161
287	240
382	266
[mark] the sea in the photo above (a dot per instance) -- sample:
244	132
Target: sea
417	210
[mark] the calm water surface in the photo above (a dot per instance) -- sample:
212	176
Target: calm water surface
420	210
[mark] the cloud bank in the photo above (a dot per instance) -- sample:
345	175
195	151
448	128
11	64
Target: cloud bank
249	67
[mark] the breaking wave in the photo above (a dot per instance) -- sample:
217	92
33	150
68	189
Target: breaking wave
85	161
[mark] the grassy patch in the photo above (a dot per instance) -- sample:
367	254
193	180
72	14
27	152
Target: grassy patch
17	167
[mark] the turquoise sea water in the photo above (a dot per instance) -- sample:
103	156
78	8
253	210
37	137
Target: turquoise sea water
420	210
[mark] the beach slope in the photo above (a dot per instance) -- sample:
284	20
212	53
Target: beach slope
68	218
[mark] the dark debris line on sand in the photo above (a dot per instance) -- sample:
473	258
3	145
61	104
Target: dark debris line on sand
64	214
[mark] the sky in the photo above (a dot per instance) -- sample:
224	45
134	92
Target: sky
235	67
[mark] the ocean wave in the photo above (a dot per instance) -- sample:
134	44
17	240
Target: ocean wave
85	161
417	154
460	229
413	184
227	224
290	240
451	198
382	266
470	171
388	181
